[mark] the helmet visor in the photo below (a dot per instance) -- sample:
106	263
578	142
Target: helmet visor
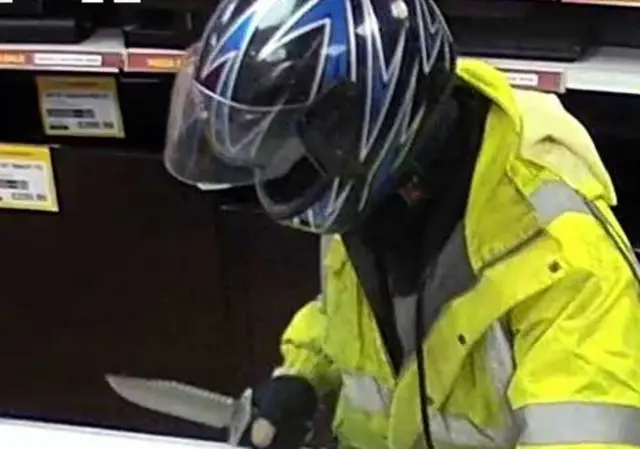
214	142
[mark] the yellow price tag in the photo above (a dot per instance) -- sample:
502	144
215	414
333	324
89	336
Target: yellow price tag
170	63
26	178
84	106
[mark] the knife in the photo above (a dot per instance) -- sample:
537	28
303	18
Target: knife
187	402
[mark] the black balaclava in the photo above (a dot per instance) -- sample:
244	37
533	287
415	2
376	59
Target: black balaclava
402	235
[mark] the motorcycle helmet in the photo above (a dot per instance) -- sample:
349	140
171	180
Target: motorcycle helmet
319	104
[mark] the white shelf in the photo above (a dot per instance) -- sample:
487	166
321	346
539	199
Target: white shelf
39	435
626	3
607	69
102	52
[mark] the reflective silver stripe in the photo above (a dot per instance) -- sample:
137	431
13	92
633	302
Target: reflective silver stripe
449	275
579	423
325	243
365	392
628	253
462	432
457	431
554	199
500	356
500	362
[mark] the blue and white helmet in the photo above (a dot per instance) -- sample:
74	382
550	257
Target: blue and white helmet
318	103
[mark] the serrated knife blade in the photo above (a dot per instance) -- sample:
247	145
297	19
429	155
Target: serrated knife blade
179	400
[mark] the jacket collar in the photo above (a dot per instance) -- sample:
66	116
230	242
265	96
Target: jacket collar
498	217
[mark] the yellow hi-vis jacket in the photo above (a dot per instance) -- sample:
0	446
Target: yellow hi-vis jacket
539	341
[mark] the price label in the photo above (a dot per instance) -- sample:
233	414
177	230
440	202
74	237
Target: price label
169	61
26	178
545	81
13	59
67	59
80	106
521	79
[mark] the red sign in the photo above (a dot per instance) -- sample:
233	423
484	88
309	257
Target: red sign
14	59
547	81
169	62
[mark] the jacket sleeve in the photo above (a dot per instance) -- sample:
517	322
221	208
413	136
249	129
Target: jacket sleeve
301	348
301	343
577	355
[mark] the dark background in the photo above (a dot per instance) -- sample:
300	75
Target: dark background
137	274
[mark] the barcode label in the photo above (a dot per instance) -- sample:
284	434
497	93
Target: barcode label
59	126
84	119
62	113
26	178
27	196
22	196
80	106
14	184
94	124
89	124
22	190
78	95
